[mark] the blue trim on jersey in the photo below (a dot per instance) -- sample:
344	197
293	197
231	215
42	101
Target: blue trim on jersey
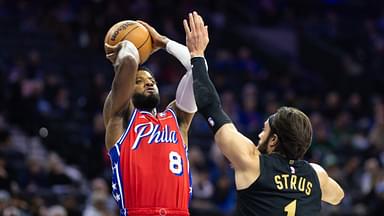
114	154
142	111
117	150
177	123
123	212
190	176
132	118
117	186
174	115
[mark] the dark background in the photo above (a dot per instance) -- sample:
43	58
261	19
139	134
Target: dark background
322	56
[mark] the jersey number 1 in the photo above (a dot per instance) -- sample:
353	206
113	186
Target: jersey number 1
291	208
175	163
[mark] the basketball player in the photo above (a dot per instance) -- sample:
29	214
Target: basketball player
272	178
148	149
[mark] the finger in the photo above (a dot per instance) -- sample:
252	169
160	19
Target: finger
186	27
151	30
198	22
109	46
146	25
143	23
202	21
197	18
206	30
192	23
110	55
113	47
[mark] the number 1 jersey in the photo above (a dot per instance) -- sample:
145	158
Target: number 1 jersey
284	187
150	168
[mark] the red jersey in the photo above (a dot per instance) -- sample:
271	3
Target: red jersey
150	166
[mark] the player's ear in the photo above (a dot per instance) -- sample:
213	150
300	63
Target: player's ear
273	141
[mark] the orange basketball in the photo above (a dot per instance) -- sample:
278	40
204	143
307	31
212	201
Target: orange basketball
133	32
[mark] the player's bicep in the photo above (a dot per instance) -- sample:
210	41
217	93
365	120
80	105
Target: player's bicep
331	192
109	113
107	110
235	146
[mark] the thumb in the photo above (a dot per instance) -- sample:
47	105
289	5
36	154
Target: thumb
142	22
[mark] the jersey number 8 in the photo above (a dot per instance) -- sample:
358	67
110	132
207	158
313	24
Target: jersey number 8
175	163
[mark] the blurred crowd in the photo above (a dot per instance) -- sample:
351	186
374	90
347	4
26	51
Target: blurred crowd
54	79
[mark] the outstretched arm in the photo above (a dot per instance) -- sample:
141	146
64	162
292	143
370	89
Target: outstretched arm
184	105
236	147
185	100
125	58
331	192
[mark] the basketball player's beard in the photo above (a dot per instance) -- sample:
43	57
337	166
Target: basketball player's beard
147	103
263	146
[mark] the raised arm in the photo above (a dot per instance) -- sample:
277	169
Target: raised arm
184	105
236	147
118	105
331	192
174	48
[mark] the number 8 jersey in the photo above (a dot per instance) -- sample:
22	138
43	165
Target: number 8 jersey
150	170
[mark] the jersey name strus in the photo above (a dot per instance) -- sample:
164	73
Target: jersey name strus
154	133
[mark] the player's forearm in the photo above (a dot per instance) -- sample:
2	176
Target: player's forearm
206	96
180	52
123	83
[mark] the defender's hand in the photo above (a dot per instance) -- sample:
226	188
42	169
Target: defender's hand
158	41
196	34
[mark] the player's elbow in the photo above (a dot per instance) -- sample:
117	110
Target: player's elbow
340	196
337	197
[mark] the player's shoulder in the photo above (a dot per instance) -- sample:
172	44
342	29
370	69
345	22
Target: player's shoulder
320	171
168	111
317	167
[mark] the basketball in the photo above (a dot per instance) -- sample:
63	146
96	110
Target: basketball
133	32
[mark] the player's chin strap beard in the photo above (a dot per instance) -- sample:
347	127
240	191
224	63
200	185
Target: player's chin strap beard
146	103
280	140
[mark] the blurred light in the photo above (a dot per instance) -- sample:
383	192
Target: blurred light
43	132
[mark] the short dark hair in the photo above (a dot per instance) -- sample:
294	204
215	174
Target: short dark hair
294	131
145	68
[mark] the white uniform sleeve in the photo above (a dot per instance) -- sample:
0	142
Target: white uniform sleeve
127	48
181	52
185	99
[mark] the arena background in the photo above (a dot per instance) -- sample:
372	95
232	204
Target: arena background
322	56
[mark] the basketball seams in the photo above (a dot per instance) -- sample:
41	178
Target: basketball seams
145	41
126	34
134	32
